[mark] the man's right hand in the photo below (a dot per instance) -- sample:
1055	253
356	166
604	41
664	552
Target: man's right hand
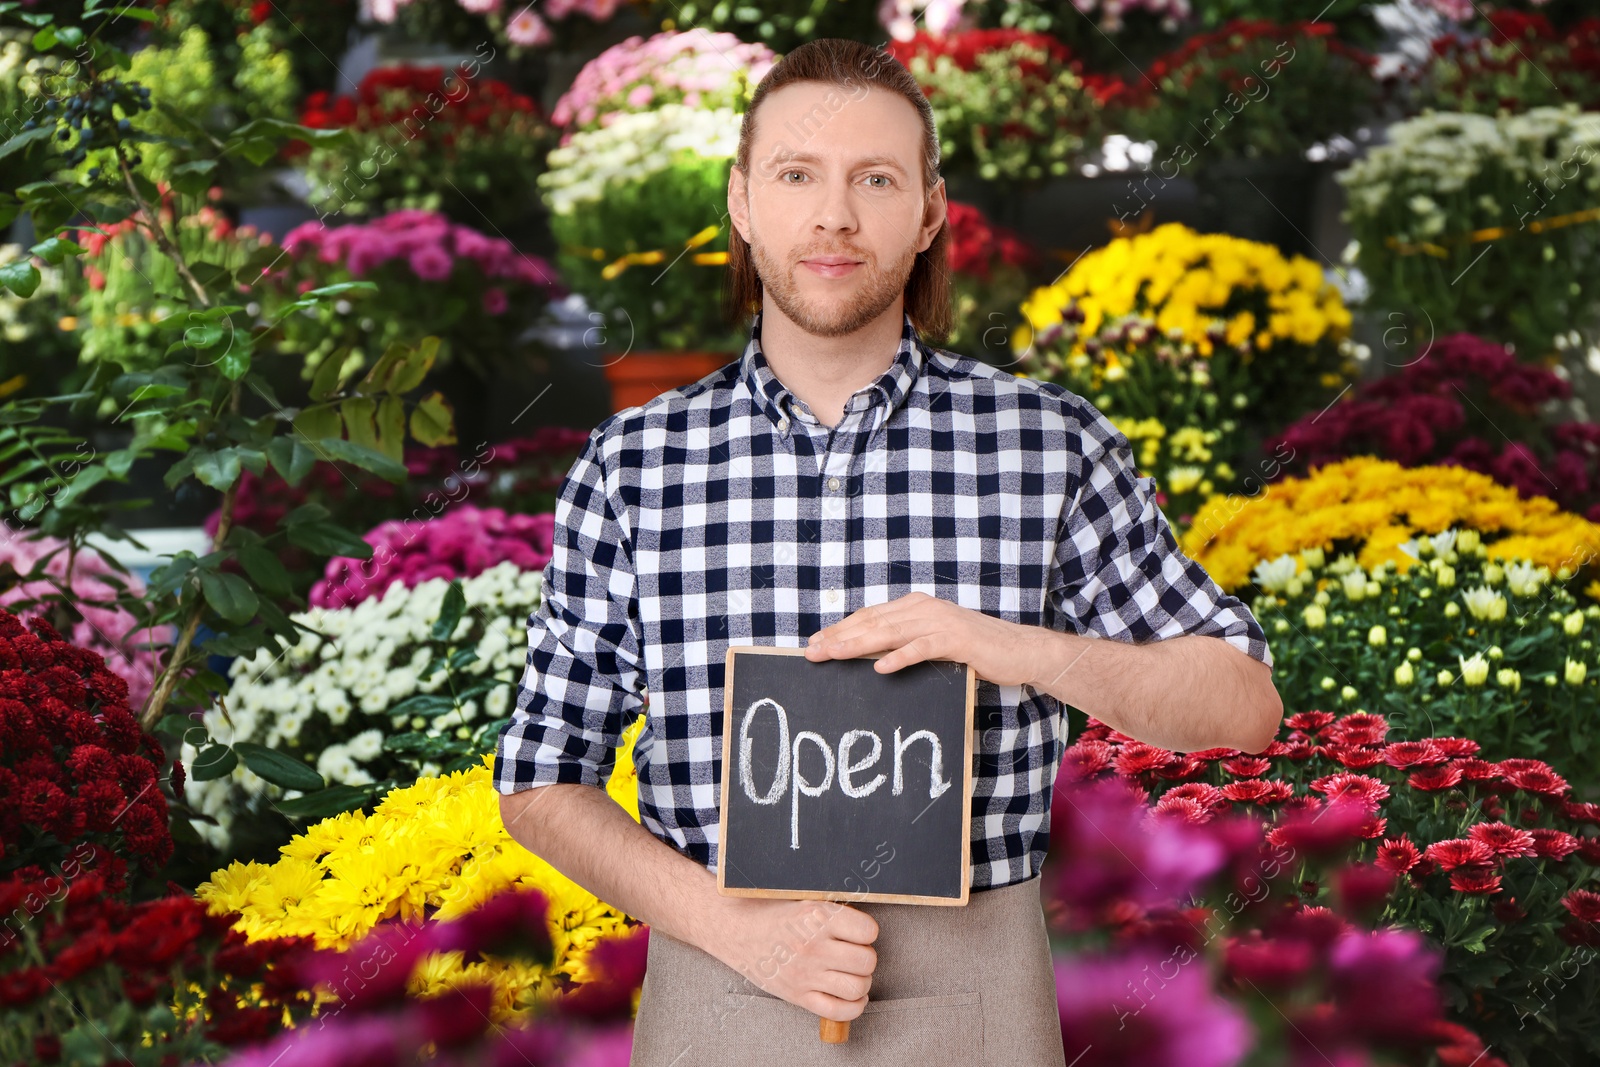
816	954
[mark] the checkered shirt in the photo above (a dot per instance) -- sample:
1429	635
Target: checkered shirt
724	513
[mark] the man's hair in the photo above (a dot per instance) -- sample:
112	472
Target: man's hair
853	67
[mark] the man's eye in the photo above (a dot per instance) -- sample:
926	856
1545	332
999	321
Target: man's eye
787	173
885	177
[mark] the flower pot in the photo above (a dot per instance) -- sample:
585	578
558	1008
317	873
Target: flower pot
636	377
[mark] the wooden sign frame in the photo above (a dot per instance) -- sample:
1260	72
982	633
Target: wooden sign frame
825	894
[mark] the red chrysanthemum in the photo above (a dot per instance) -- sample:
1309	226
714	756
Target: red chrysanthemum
1475	881
1258	791
1398	855
1544	782
1459	852
1354	757
1204	793
1477	770
1553	844
1247	766
1136	758
1086	759
1186	808
1433	779
1358	728
1357	787
1584	905
1503	839
1456	747
1405	754
1309	721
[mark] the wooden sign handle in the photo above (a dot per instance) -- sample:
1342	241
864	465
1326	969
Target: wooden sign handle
834	1032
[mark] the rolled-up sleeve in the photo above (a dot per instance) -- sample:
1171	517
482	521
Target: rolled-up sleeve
582	682
1119	571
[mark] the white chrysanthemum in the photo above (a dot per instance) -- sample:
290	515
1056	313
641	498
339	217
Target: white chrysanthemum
1525	579
1274	575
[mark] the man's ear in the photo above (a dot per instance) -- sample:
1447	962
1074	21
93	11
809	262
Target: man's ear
739	201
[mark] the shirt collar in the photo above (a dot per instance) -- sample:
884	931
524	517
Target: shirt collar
888	391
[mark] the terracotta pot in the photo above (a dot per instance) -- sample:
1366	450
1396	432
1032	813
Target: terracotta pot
641	376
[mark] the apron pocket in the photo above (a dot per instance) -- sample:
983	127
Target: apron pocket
909	1031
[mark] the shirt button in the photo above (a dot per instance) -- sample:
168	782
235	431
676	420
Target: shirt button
833	483
833	596
783	424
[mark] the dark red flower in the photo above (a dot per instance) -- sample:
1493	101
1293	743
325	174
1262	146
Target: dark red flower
1475	881
1553	844
1354	757
1247	766
1584	905
1136	758
1459	852
1277	963
1541	781
1258	791
1309	721
1502	839
1405	754
1397	855
1433	779
1477	770
1086	759
1357	787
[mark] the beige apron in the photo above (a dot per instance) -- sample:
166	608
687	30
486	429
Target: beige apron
953	985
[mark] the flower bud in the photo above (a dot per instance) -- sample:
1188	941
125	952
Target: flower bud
1315	617
1573	624
1328	683
1414	655
1404	675
1452	609
1445	576
1474	671
1576	672
1347	694
1377	637
1496	652
1445	678
1507	678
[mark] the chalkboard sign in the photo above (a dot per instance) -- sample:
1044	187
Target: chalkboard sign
842	783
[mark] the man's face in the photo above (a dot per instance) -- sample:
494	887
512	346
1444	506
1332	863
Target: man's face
835	174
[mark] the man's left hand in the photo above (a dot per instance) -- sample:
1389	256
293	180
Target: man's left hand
920	627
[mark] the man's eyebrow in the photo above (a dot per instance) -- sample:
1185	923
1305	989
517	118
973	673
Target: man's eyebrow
864	161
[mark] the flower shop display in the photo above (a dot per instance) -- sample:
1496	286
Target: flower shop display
1456	642
1449	189
435	850
35	353
522	476
989	267
1251	89
1009	105
1523	62
475	291
84	581
360	677
697	70
125	286
187	73
85	974
312	34
1494	862
1110	35
75	767
780	24
627	200
590	1026
1435	410
462	543
452	141
1176	325
519	29
1259	973
1371	507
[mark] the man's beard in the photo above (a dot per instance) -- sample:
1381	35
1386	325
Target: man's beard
836	319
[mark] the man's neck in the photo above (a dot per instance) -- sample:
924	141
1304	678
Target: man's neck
826	371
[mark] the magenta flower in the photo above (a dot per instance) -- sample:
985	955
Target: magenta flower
1146	1008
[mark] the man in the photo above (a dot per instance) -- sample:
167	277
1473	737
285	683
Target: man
846	488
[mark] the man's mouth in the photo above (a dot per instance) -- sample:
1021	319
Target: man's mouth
832	266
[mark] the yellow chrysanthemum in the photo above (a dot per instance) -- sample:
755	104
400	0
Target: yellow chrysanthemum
1184	280
1380	505
436	849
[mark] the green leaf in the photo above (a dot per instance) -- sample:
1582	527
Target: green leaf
376	380
329	377
455	601
194	177
234	364
357	413
392	427
26	138
183	728
55	250
292	457
424	704
365	458
20	275
211	762
334	800
229	595
218	469
265	570
143	14
410	373
80	483
277	768
432	421
45	39
329	540
320	423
